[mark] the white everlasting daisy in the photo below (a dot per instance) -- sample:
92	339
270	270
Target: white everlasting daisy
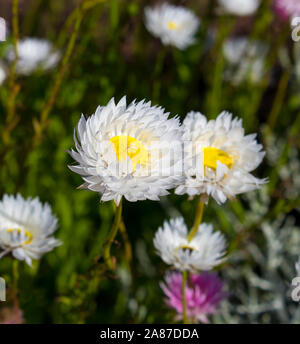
246	60
240	7
26	228
205	251
133	151
219	157
2	29
34	53
174	25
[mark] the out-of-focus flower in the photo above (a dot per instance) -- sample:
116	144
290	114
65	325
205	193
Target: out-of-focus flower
26	228
34	53
2	29
174	25
240	7
246	60
287	9
219	157
133	151
203	293
3	73
11	316
205	251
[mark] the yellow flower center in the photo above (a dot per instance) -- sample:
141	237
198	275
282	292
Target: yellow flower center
212	155
172	25
127	146
188	248
19	231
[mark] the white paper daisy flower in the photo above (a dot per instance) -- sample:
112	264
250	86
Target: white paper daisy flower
205	251
219	157
2	29
26	228
240	7
174	25
34	53
133	151
246	60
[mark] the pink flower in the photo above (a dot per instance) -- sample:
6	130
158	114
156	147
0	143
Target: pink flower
287	9
203	293
11	316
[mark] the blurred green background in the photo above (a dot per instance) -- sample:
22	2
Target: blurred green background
114	55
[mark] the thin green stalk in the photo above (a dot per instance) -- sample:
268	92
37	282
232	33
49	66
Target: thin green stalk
14	88
191	235
128	253
15	280
197	221
215	95
64	34
114	14
254	103
128	249
77	16
279	98
184	280
113	232
40	126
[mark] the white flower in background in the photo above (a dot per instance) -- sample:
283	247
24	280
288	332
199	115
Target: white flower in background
2	29
219	157
246	60
297	266
240	7
174	25
205	251
3	73
34	53
133	151
26	228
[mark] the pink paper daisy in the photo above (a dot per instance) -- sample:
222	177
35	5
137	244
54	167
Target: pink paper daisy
203	293
287	9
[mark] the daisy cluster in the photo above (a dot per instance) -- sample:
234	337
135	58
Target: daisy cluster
138	152
135	151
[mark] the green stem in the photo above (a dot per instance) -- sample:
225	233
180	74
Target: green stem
184	280
279	98
113	232
191	235
197	221
128	249
114	14
40	126
85	6
214	100
14	89
15	279
15	25
128	253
